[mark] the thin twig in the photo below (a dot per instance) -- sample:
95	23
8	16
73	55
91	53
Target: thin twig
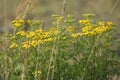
25	8
116	3
64	8
6	54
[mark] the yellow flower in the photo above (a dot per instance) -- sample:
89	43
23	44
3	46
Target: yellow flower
77	35
102	23
45	34
94	30
14	45
110	24
34	43
74	35
87	29
84	21
99	30
49	40
41	41
18	23
39	31
71	28
60	18
21	21
26	45
22	33
30	34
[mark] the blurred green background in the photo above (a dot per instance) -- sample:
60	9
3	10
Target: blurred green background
104	9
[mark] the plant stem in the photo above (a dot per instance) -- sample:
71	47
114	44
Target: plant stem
89	57
64	8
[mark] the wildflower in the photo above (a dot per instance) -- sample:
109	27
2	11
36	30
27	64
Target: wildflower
30	34
22	33
84	21
60	18
74	35
71	29
45	34
21	21
99	30
41	41
56	32
34	43
101	23
110	24
18	23
39	31
26	45
87	29
77	35
14	45
49	40
29	21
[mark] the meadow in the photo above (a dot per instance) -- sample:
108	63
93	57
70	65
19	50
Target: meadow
70	50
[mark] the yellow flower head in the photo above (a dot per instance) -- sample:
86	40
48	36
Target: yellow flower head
22	33
71	28
85	22
102	23
34	43
18	23
14	45
110	24
77	35
39	31
30	34
26	45
87	29
49	40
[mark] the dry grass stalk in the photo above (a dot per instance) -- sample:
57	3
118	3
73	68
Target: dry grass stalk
25	8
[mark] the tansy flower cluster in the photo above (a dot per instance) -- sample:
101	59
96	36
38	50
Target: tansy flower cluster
20	23
90	29
39	37
34	38
14	45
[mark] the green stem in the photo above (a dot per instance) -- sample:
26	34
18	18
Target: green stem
90	55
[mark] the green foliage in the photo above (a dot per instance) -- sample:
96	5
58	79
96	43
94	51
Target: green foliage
60	53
